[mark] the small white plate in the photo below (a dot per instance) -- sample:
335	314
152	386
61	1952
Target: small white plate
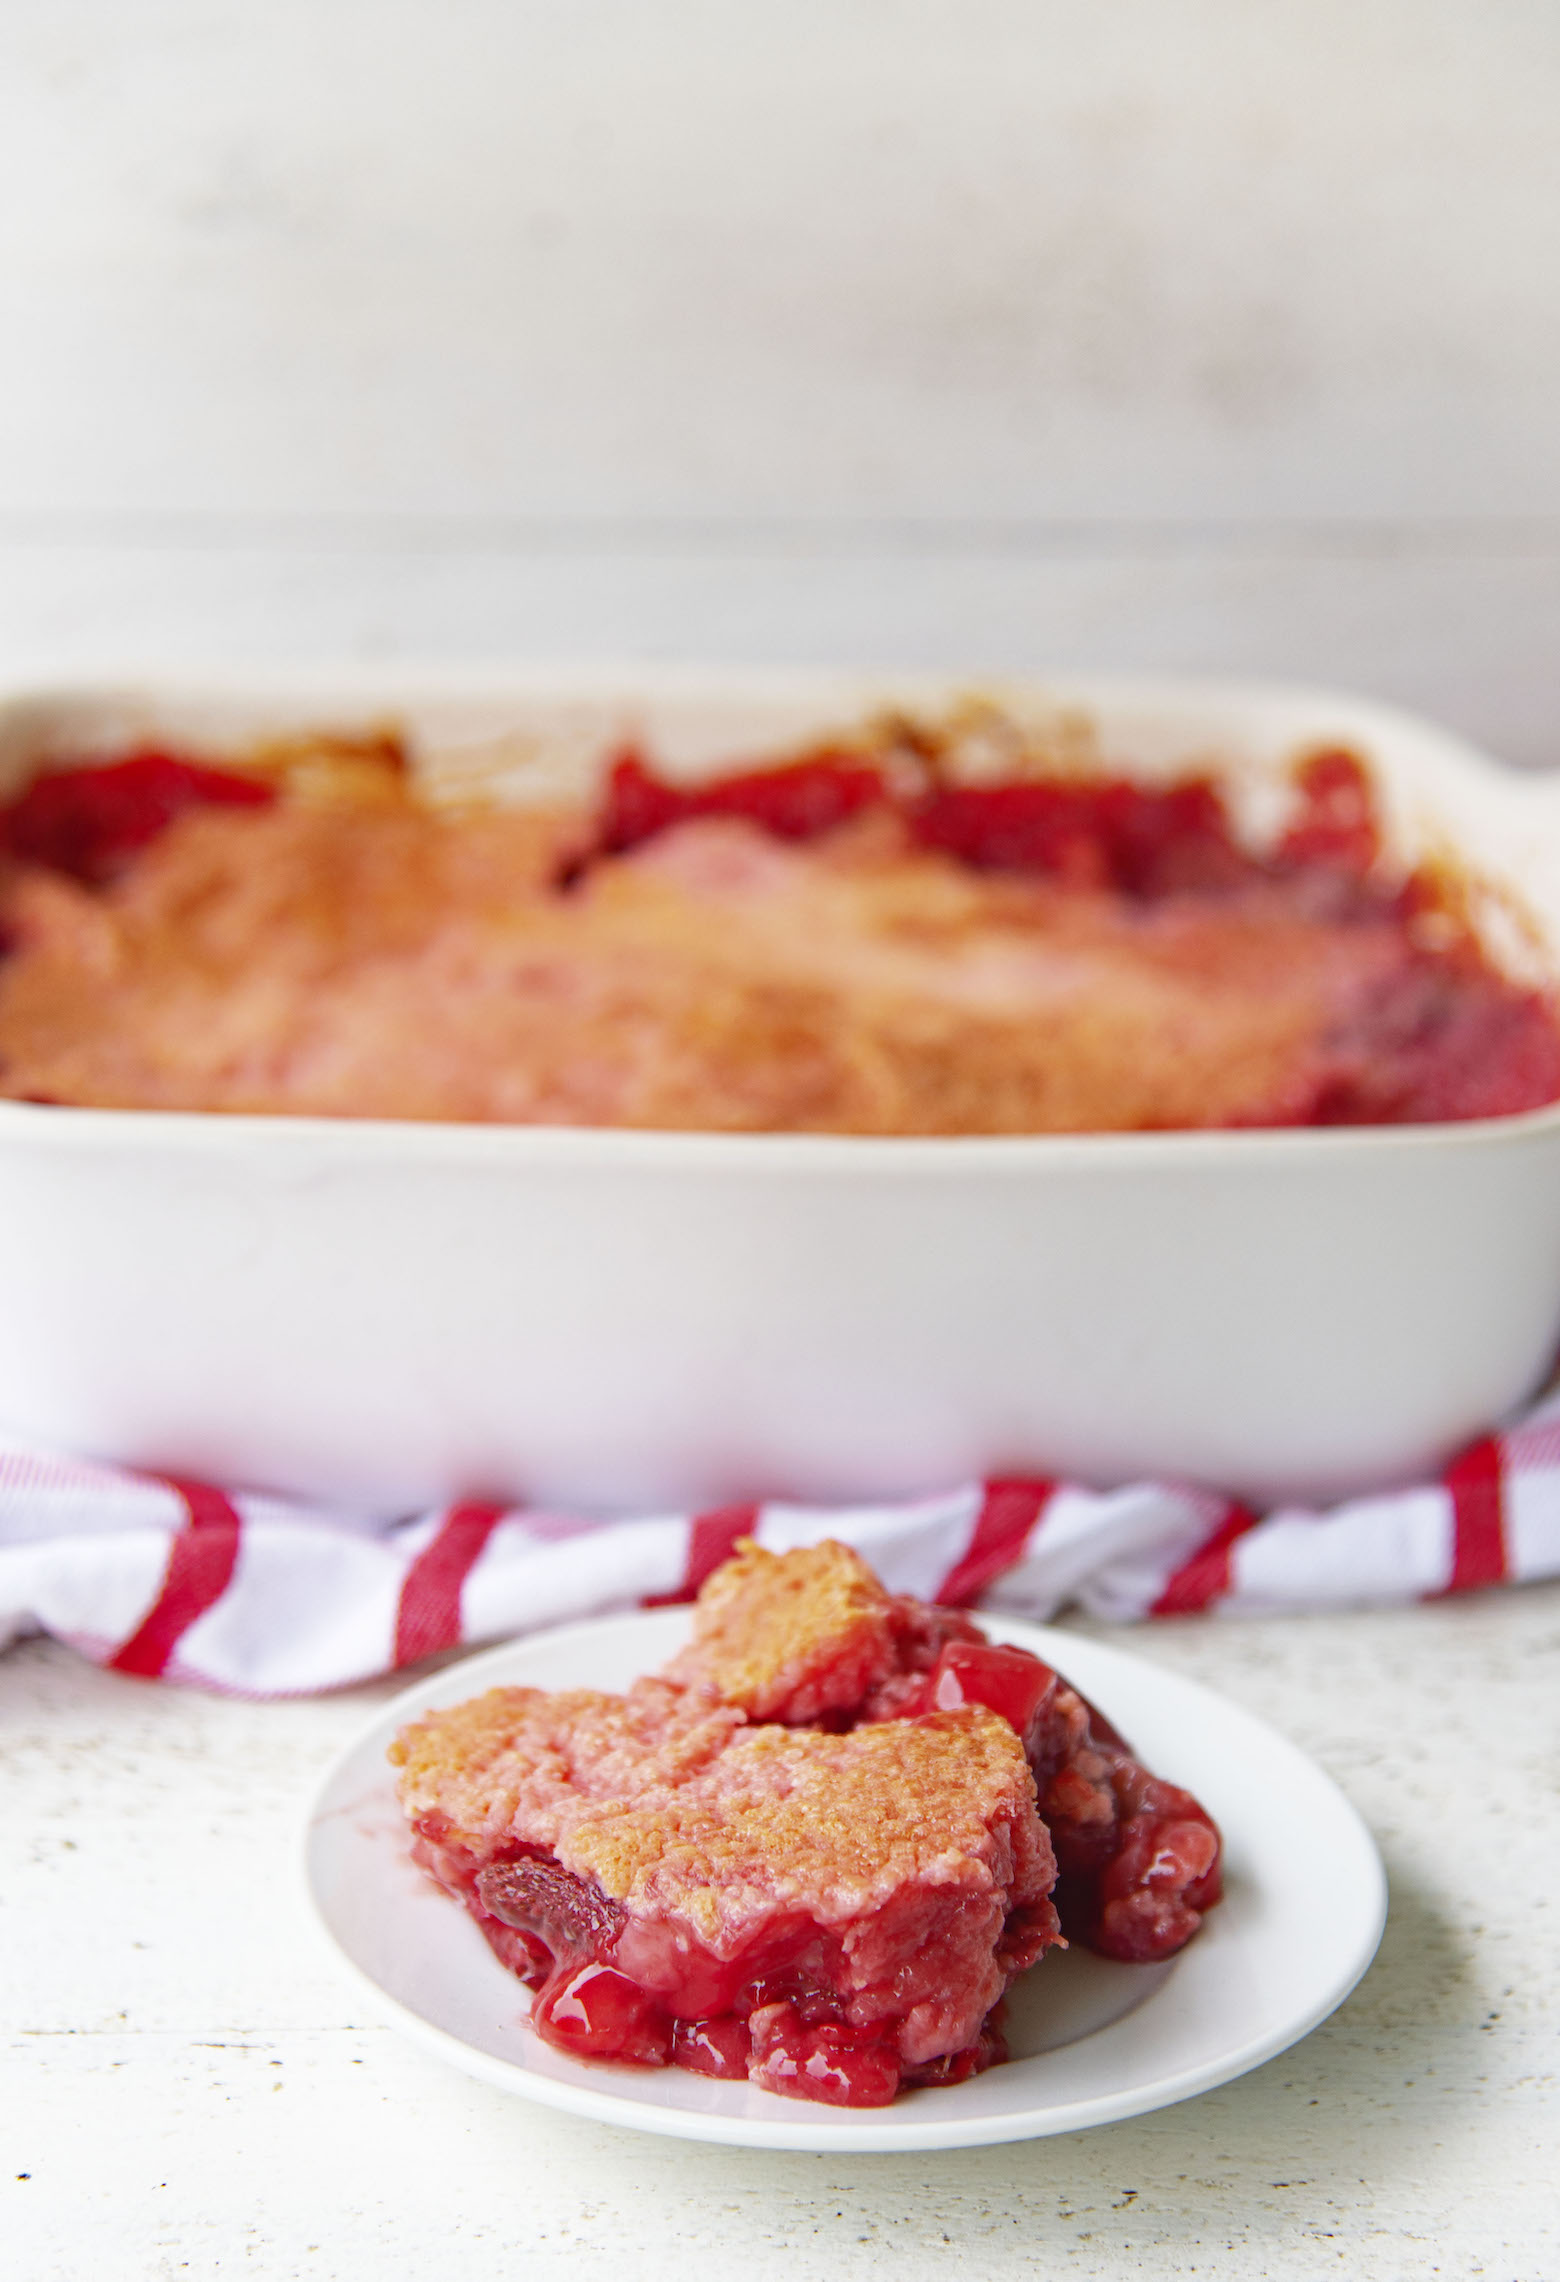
1092	2041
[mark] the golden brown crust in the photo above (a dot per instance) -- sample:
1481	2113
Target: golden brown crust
677	1811
530	1762
375	957
829	1825
789	1636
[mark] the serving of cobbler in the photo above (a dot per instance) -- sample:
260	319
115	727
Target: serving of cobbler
814	1850
854	938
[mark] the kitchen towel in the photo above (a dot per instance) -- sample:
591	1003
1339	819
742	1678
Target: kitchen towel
263	1596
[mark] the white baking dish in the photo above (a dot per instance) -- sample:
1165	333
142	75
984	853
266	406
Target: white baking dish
388	1313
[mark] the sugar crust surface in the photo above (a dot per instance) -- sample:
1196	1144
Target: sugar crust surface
686	1812
789	1636
381	959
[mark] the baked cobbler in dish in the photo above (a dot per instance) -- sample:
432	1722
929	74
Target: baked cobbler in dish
814	1851
854	940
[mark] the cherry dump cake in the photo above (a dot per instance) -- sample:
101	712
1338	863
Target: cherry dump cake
858	938
814	1851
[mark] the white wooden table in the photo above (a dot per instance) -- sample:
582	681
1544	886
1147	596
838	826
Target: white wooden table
1009	337
190	2087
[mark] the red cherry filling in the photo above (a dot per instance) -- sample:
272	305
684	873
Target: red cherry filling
613	1988
1151	1896
538	1896
824	2060
1145	841
599	2014
1008	1681
988	2051
628	1991
797	800
717	2047
1138	1859
780	2031
87	821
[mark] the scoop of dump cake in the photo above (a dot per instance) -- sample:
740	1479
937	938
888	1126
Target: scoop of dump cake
809	1853
827	1914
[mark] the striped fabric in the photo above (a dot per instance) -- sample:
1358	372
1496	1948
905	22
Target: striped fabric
256	1596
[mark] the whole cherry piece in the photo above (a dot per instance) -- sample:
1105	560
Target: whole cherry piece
1008	1681
593	2012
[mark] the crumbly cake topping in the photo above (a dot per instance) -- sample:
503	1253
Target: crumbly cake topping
391	962
831	1826
789	1636
530	1763
677	1809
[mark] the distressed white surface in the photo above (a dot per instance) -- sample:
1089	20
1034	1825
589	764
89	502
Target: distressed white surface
1466	637
999	257
191	2087
965	333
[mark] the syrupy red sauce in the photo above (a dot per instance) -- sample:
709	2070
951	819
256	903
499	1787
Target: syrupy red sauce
1440	1035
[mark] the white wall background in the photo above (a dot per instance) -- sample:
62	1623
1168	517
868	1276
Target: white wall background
967	333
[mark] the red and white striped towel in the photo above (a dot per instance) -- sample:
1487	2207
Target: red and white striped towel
258	1596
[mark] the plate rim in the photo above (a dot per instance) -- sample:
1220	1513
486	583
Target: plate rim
812	2131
